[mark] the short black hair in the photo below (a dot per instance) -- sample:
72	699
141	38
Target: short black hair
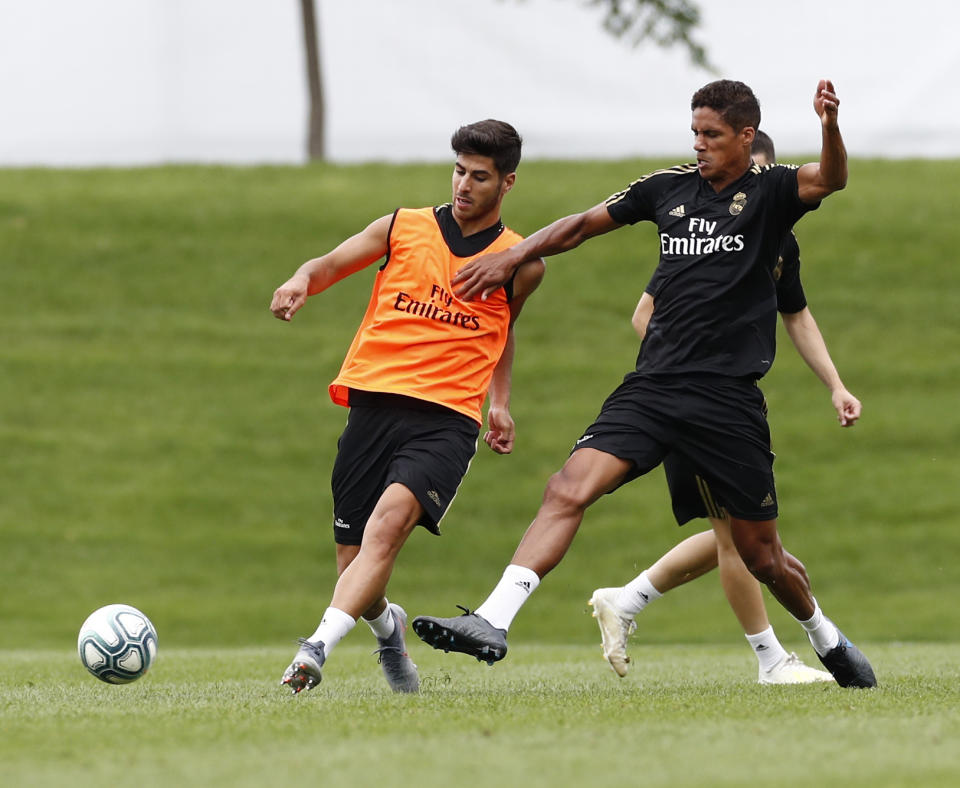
733	101
494	138
763	145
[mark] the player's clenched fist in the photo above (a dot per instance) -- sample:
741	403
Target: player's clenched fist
289	297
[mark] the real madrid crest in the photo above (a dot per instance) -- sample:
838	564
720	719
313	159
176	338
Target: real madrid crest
738	204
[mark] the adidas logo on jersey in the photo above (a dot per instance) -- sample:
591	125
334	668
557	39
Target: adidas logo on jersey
678	211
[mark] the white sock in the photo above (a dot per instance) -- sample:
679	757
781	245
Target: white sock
637	594
508	597
334	626
383	625
822	632
767	648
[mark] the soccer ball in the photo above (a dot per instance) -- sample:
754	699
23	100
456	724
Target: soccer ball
117	644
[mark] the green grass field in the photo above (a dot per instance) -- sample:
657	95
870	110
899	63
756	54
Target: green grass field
168	444
547	716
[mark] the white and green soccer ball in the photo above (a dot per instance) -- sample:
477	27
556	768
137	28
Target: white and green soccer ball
117	644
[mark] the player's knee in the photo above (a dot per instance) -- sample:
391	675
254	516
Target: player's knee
385	534
764	564
563	494
763	570
759	547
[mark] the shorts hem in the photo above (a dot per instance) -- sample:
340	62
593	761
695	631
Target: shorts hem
756	518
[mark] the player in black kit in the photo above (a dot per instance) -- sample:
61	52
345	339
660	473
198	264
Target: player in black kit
616	608
694	391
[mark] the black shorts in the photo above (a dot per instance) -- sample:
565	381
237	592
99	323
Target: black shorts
717	426
389	438
690	494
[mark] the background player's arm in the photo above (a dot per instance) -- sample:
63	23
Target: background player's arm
806	337
316	275
642	314
820	179
501	430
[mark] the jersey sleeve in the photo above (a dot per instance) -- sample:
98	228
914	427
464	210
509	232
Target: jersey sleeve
783	182
790	296
636	203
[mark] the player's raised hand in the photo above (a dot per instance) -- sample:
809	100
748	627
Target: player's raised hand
289	297
825	102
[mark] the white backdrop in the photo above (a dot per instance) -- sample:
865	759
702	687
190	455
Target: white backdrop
149	81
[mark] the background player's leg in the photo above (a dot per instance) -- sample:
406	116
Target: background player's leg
741	588
692	558
616	608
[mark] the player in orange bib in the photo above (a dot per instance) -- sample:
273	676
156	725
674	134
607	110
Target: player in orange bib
415	379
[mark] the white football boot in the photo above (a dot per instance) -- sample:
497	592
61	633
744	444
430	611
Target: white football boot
791	670
615	628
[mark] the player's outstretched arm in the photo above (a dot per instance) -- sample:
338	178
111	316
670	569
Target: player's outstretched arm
806	337
820	179
484	274
316	275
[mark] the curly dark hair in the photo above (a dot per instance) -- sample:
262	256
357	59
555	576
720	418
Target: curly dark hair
733	101
494	138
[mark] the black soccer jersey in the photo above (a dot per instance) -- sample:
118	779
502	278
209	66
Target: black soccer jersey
790	295
715	294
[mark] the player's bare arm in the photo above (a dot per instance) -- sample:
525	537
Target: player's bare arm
316	275
642	314
810	344
502	432
821	179
483	274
